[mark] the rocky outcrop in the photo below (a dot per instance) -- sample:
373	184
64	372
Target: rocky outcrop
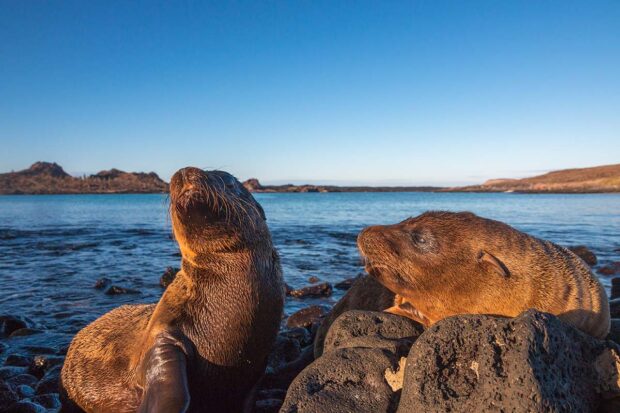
366	293
534	362
50	178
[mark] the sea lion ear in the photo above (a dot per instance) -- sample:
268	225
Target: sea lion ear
485	258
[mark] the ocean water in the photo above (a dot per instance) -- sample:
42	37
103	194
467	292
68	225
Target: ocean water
54	248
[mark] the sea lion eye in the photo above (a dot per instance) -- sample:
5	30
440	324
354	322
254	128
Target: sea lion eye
418	238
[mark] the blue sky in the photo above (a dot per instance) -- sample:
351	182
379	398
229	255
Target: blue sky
419	92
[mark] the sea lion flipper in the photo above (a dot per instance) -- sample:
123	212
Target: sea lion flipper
165	375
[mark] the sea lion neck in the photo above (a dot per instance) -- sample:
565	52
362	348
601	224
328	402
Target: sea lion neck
237	262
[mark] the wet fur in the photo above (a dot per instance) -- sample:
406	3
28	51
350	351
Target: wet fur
471	265
225	305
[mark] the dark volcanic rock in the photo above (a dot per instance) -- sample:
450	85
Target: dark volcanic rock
615	288
168	276
25	332
17	360
102	283
318	290
10	323
344	380
533	363
306	317
365	294
49	382
284	351
584	253
7	395
614	308
372	329
115	290
25	406
614	331
282	377
49	401
610	269
313	279
268	406
346	284
42	363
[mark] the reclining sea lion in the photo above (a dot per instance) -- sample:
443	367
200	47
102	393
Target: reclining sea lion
443	263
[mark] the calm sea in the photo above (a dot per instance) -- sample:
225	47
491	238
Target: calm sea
53	248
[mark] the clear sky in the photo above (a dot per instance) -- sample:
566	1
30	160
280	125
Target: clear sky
380	92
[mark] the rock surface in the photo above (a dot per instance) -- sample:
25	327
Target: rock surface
370	329
365	294
584	253
306	317
534	362
344	380
317	290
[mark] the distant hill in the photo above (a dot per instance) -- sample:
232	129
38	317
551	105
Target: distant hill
583	180
253	185
50	178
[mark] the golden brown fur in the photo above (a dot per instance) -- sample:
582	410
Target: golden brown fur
223	308
442	264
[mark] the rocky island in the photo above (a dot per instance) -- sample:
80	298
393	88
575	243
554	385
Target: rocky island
50	178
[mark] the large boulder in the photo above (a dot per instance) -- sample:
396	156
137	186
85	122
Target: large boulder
365	294
344	380
584	253
371	329
533	363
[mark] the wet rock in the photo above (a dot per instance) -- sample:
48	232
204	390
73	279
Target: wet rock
615	288
346	284
24	391
49	401
17	360
365	294
25	332
115	290
50	381
271	394
102	283
313	280
268	406
43	362
614	308
284	351
344	380
585	254
25	406
282	377
610	269
7	395
614	331
11	371
10	323
370	329
318	290
300	334
20	379
306	317
168	276
476	363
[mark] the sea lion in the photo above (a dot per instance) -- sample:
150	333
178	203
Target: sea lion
204	345
443	263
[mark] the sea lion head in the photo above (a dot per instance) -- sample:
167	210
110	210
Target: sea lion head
213	213
433	251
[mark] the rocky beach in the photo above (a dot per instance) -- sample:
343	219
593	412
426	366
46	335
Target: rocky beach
370	361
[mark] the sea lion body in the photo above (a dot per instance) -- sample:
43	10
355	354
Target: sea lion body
442	264
204	345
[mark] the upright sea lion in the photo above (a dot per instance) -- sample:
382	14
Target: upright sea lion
443	263
204	346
